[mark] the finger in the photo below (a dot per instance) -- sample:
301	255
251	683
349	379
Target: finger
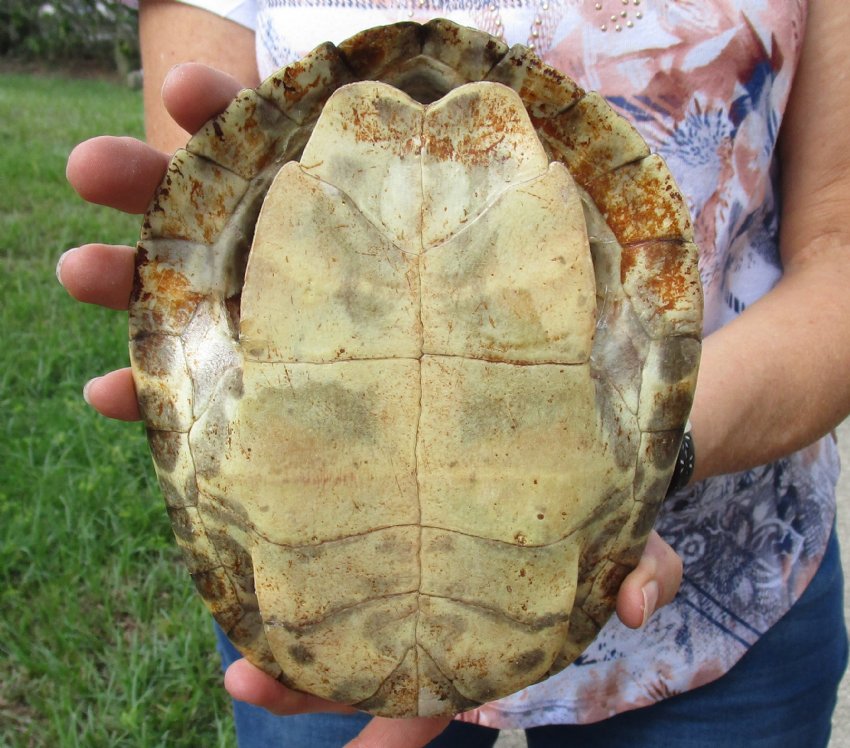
245	682
399	733
98	274
653	584
120	173
192	93
113	395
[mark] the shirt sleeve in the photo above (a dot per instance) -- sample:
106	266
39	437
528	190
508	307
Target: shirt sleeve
243	12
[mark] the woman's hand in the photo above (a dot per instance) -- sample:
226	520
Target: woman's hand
244	682
123	173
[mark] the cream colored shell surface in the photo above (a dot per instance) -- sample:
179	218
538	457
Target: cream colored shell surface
415	332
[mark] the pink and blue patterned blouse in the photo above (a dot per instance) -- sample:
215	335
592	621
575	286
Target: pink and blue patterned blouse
706	82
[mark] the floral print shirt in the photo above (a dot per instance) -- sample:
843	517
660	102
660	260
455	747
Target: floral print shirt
706	83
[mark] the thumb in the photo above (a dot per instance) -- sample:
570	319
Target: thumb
653	583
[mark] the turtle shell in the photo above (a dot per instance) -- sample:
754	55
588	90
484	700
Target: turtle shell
415	332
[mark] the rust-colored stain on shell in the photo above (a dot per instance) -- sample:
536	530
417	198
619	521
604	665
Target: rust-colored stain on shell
486	128
414	403
641	202
660	267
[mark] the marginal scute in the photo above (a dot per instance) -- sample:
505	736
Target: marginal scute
640	202
371	53
661	279
161	378
603	596
415	364
195	200
544	91
199	553
583	630
656	459
174	283
424	78
246	137
224	525
472	52
221	596
174	467
590	140
300	89
253	644
669	379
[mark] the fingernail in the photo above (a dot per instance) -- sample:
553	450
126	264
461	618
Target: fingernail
650	600
86	389
61	260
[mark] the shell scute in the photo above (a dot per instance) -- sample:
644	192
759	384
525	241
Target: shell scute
640	202
161	378
300	89
590	140
174	467
195	201
245	138
661	279
473	53
545	91
170	283
372	52
669	378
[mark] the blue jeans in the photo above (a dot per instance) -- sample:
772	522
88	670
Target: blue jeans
780	695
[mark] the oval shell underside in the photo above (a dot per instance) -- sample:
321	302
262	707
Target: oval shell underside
415	363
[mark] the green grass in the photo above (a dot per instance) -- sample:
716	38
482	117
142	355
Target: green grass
103	641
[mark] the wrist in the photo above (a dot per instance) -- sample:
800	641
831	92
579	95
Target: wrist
683	470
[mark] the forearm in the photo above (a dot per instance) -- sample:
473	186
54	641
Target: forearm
172	33
776	379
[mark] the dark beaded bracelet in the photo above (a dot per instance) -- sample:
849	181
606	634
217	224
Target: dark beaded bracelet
684	463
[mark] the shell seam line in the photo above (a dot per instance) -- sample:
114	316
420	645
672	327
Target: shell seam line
301	626
420	525
387	679
448	679
543	620
419	263
420	357
511	187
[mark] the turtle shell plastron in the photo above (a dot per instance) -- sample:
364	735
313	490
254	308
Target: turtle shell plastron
415	332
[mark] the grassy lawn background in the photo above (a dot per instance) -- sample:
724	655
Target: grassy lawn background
103	641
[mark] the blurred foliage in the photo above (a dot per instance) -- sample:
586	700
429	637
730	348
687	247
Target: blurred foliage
69	31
